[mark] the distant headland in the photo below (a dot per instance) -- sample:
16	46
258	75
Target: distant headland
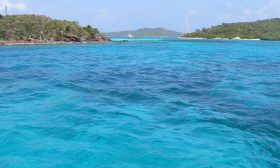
37	29
268	29
145	32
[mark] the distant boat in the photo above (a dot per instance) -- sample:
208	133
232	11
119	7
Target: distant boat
130	35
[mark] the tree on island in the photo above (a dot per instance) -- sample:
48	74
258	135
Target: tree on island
268	29
36	27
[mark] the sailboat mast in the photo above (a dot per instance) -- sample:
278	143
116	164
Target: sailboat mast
187	26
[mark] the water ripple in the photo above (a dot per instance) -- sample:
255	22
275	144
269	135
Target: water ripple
160	103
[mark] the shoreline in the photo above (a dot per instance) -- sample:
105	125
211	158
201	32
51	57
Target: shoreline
233	39
15	42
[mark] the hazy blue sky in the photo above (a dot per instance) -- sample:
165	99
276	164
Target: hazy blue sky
114	15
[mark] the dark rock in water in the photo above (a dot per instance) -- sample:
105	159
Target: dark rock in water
66	38
99	37
71	38
79	39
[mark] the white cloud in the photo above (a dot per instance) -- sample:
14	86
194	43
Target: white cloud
13	5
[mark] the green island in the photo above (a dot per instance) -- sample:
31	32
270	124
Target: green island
268	29
148	32
36	29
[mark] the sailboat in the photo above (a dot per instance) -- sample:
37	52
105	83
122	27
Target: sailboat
130	35
186	28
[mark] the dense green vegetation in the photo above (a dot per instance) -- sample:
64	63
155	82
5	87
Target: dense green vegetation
145	32
26	27
263	29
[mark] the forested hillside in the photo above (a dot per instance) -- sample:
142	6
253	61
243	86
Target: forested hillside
263	29
146	32
34	27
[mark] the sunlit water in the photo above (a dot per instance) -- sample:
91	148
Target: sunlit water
163	103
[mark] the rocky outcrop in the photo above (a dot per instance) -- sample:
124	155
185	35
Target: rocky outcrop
35	29
66	39
83	39
71	38
100	37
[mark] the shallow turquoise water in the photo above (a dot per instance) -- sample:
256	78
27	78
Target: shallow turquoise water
139	39
165	103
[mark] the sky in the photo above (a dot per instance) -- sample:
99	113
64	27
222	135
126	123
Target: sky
116	15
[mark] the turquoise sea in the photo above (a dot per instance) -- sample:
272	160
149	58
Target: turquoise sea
160	103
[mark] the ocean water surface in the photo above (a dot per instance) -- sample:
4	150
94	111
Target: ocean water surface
163	103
